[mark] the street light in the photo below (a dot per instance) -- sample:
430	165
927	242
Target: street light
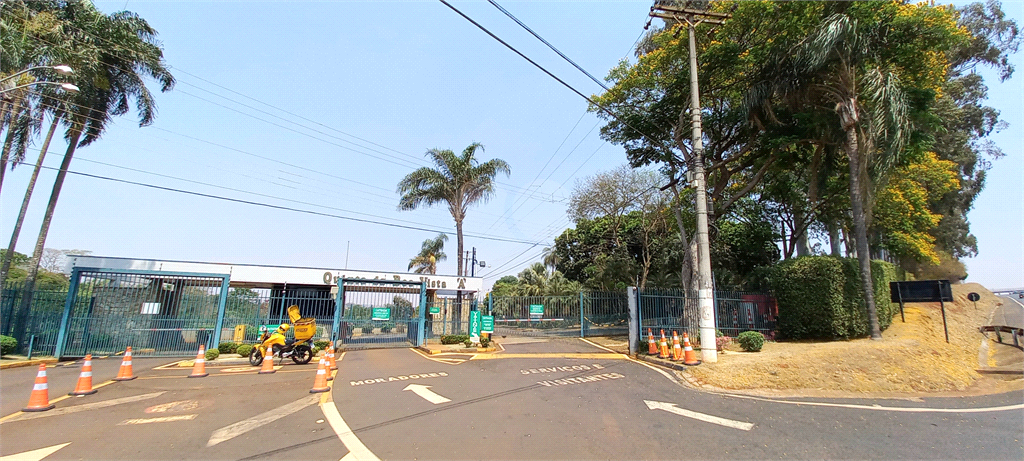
66	86
61	69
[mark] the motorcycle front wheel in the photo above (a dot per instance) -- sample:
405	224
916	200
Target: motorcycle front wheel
255	357
301	355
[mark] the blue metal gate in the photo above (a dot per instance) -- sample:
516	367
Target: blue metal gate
581	315
157	313
379	313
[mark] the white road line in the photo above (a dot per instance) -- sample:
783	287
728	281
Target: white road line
34	455
356	449
84	407
671	408
241	427
426	393
1019	406
659	370
597	345
162	419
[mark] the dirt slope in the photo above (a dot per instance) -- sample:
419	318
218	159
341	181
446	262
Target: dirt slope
912	358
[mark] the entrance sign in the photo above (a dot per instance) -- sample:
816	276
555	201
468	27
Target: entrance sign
474	326
381	313
922	291
435	310
536	310
488	324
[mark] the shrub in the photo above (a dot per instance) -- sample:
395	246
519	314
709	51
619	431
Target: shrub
367	330
227	347
485	342
750	341
212	354
386	328
321	344
468	343
244	350
454	339
723	341
8	345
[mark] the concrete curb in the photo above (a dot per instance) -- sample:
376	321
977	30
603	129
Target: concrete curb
465	350
26	363
660	362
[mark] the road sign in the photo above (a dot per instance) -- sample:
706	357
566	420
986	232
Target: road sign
536	310
381	313
488	324
435	310
973	297
474	326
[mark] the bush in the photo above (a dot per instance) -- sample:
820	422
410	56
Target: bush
454	339
244	350
485	342
227	347
367	330
468	343
723	341
819	297
750	341
386	328
212	354
321	344
8	345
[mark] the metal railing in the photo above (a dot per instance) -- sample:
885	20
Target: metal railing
678	310
43	322
581	315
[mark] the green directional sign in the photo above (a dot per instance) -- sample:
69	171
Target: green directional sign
488	324
474	325
381	313
435	310
537	309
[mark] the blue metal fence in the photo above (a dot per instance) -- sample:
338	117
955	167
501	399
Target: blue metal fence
580	315
380	313
678	310
43	322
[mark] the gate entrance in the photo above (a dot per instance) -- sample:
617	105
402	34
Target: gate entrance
579	316
156	313
379	313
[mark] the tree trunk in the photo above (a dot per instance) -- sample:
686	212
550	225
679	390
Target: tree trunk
457	317
833	239
861	230
8	142
6	265
26	298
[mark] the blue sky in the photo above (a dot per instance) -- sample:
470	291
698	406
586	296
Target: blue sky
402	77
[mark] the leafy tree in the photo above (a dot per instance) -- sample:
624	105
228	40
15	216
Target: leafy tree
430	254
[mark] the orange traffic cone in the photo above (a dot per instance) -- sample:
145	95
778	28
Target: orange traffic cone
320	383
652	347
84	386
199	369
268	362
328	358
690	356
677	352
664	347
125	373
334	358
40	398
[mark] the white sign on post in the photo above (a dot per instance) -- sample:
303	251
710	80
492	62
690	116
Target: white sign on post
150	308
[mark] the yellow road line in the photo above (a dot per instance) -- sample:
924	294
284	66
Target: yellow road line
555	355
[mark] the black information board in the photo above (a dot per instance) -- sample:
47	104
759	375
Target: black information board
920	291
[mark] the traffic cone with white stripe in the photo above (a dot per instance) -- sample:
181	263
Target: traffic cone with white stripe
125	372
652	347
84	386
690	356
40	398
328	358
320	383
268	362
333	358
199	369
677	352
664	347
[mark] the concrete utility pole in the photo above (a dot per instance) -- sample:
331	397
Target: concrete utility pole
691	17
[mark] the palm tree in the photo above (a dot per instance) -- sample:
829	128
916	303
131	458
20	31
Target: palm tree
550	258
431	254
458	180
126	51
838	66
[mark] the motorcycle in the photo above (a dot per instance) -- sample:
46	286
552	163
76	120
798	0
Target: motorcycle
298	349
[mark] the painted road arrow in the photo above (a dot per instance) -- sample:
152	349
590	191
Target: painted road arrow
671	408
426	393
34	455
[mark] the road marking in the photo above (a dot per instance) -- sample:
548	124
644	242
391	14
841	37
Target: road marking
439	374
554	355
597	345
444	360
83	407
568	368
244	369
426	393
356	450
162	419
179	406
581	379
1019	406
659	370
34	455
241	427
671	408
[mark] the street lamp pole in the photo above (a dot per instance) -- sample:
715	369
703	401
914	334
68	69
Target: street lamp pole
705	287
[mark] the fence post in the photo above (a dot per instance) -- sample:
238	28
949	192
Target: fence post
68	303
339	305
221	307
634	319
583	326
423	306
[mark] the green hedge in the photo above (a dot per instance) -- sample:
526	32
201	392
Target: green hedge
8	345
454	339
819	297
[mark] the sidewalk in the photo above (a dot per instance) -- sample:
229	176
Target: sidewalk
17	361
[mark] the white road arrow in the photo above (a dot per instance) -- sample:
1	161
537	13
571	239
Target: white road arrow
426	393
34	455
671	408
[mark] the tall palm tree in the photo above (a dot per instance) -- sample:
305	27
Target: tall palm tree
838	66
126	52
431	253
550	258
458	181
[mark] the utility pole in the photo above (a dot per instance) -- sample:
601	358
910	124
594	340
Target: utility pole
691	17
472	272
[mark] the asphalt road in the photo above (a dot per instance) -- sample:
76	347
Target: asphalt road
559	400
1011	313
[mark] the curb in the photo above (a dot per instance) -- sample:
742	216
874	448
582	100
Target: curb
457	351
26	363
660	362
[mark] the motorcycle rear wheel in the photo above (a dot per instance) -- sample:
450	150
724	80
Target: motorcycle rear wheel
301	355
255	357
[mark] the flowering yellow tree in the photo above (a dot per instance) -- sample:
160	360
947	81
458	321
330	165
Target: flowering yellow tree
902	216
